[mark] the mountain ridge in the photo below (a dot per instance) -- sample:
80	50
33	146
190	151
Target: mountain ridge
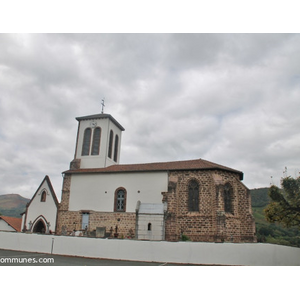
12	205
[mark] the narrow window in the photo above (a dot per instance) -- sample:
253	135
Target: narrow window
120	200
96	141
116	148
110	145
193	200
86	142
149	226
85	221
228	198
43	196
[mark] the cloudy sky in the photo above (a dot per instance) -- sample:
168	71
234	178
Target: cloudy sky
232	99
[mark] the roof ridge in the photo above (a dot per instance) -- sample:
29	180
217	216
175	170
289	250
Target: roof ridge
195	164
161	162
48	181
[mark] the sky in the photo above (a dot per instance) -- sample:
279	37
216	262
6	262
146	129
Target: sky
232	99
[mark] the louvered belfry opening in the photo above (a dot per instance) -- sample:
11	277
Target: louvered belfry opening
96	141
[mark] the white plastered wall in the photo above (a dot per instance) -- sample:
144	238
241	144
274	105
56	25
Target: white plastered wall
5	227
46	209
248	254
156	232
101	160
97	191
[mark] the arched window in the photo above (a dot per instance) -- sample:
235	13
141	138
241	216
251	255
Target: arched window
120	200
86	142
149	226
228	198
43	196
116	148
96	141
110	145
193	196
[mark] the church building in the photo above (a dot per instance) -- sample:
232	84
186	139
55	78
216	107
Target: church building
194	199
41	211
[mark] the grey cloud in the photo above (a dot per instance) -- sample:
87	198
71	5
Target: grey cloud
229	98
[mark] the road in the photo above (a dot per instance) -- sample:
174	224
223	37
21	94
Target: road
20	258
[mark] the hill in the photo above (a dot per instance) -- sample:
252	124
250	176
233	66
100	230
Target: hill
260	197
267	232
12	205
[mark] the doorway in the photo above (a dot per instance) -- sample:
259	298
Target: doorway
39	227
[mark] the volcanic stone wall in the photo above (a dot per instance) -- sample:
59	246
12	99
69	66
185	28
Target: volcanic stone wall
210	223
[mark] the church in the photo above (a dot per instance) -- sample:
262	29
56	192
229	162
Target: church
195	200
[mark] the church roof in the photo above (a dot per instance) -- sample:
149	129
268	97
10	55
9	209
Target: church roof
15	223
102	116
47	179
196	164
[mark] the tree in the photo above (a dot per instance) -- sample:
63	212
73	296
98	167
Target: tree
285	203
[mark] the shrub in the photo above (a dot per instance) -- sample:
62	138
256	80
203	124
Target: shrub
185	238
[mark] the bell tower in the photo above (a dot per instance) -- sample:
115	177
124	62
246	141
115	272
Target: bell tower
98	142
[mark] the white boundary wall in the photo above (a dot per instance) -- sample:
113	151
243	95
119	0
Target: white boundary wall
248	254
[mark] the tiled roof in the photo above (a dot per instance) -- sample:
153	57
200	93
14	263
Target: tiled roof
197	164
13	222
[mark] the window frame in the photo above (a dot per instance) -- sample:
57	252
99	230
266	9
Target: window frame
43	196
86	142
193	203
228	198
96	148
110	144
116	148
116	200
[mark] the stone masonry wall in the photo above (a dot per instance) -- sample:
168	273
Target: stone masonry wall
210	223
121	223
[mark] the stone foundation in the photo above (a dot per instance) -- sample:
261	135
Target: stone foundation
120	225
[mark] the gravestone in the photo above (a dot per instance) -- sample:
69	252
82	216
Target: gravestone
63	230
100	232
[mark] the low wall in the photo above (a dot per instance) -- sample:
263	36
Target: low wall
248	254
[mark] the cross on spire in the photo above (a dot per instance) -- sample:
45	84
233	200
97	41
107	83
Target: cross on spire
102	104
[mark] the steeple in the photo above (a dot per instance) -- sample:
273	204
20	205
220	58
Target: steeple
98	141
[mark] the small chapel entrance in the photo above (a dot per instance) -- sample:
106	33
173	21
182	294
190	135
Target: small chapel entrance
39	227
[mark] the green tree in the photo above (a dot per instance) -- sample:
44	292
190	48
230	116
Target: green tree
285	203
